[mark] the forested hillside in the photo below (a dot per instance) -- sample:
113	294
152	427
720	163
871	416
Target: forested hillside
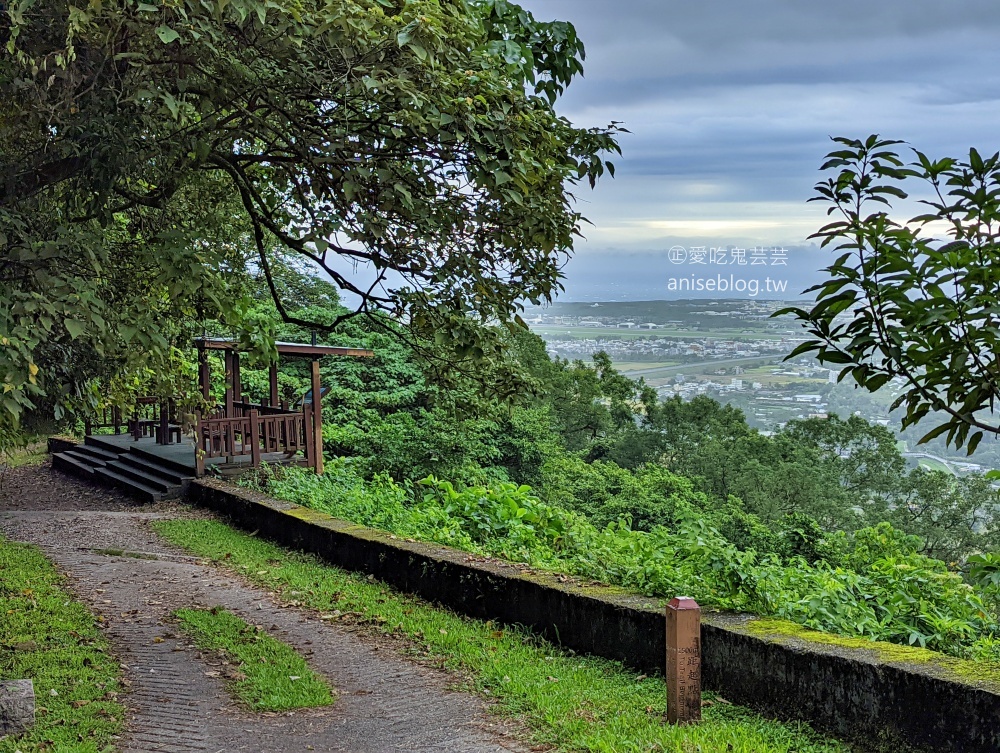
586	472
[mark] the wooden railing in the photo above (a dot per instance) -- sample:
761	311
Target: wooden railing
254	434
147	418
243	408
150	417
106	418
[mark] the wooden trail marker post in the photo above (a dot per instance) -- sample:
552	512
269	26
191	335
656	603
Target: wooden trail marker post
683	661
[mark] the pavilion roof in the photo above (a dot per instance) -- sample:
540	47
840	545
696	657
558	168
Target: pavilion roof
303	350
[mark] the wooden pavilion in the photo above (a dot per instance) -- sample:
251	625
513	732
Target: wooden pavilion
154	458
239	428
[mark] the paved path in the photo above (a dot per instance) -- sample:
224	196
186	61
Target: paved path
177	700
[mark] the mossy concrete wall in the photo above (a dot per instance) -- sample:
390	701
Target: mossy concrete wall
847	691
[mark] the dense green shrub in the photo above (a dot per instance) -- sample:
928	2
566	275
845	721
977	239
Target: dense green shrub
874	583
650	495
662	496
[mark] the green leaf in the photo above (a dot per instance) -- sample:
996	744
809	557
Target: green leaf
166	34
406	33
171	103
974	442
75	328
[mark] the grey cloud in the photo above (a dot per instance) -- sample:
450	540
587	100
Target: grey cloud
731	104
641	50
731	22
644	275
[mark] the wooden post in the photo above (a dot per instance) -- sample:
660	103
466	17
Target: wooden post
229	430
317	418
272	376
254	438
237	380
116	417
163	433
229	383
683	661
199	448
204	374
88	427
307	425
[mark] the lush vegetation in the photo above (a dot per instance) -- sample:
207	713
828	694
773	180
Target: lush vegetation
263	672
575	703
255	144
913	299
48	637
874	584
156	155
589	473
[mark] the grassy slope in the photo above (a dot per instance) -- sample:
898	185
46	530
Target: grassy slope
270	675
573	702
931	464
47	637
32	453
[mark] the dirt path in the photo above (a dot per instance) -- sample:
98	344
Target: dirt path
177	699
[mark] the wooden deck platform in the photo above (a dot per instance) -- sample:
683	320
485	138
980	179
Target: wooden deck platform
145	470
180	455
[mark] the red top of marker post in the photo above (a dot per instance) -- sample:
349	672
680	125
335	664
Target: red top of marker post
683	602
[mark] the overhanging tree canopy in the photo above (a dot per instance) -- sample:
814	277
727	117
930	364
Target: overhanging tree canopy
150	152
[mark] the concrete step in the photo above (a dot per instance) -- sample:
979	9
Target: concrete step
134	488
154	467
184	469
142	476
84	457
70	462
94	451
109	442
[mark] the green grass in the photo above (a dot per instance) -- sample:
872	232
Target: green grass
269	675
931	464
626	366
33	453
48	637
576	703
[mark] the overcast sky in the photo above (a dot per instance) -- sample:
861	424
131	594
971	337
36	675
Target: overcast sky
731	105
